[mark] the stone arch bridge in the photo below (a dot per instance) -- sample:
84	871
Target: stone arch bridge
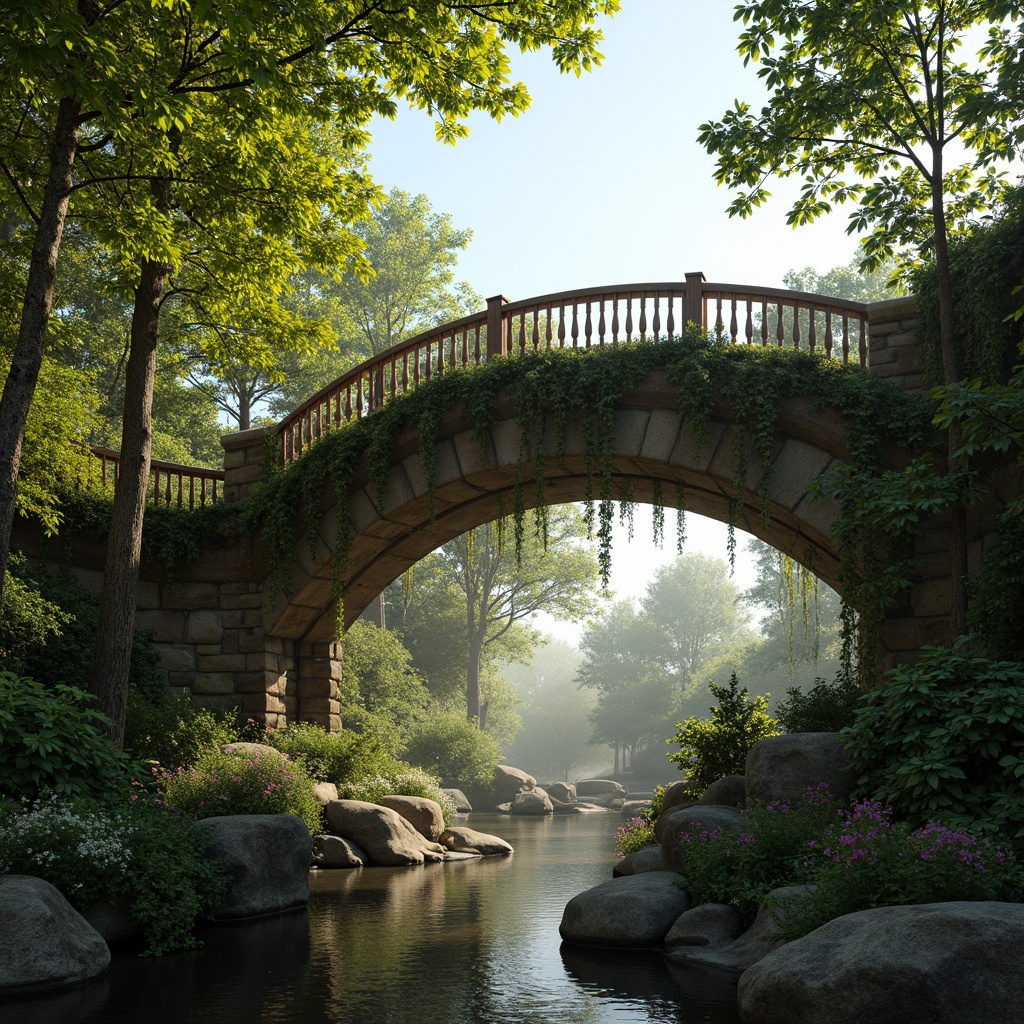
222	638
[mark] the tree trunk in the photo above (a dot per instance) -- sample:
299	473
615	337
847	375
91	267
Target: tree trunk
476	647
109	680
35	315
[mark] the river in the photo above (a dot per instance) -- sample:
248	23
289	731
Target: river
468	942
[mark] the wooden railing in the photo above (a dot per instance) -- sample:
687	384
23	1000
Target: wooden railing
584	318
169	483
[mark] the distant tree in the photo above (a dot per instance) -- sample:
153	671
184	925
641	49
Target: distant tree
848	281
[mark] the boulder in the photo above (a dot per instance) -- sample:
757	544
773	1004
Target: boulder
784	768
676	795
509	781
940	963
44	943
672	818
600	789
387	838
709	926
681	819
632	808
334	852
728	792
564	791
468	840
503	808
532	801
325	792
753	945
423	814
268	857
459	800
636	863
634	912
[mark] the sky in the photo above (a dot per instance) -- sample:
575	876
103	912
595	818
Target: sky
602	182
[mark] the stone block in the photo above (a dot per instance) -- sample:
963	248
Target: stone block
234	459
177	659
223	662
630	428
251	641
931	597
148	595
166	627
693	453
206	683
236	601
195	596
795	467
506	437
467	450
661	435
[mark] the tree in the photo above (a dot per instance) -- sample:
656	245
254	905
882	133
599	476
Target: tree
83	78
874	89
846	282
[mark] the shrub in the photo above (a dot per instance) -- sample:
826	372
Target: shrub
27	619
634	835
50	739
405	782
124	848
225	782
826	707
173	731
740	867
453	748
711	749
335	757
866	860
944	740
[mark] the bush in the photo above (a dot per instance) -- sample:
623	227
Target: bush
27	619
335	757
406	782
826	707
122	849
944	740
225	782
711	749
634	835
51	740
453	748
173	731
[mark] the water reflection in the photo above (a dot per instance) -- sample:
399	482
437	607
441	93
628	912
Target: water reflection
462	943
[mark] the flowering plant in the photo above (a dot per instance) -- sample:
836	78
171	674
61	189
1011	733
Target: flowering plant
634	835
411	782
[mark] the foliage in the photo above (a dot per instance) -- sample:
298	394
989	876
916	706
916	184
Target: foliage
118	849
866	860
710	749
27	619
51	740
334	757
453	748
769	849
241	782
634	835
404	782
944	739
998	591
826	707
173	732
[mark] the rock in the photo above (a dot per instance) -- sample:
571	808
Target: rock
783	768
728	792
249	749
268	856
940	963
325	792
386	836
334	852
503	808
564	791
423	814
459	800
509	781
604	789
533	801
633	808
113	921
636	863
44	943
633	912
753	945
709	926
560	808
676	795
468	840
665	819
708	818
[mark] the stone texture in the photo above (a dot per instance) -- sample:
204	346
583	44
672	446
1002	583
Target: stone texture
940	963
709	926
674	852
268	856
459	800
634	912
509	781
605	789
325	792
532	801
647	859
676	795
728	792
785	767
564	791
460	839
334	852
386	836
44	943
633	808
424	815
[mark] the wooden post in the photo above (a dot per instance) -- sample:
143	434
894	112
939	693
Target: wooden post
693	304
497	342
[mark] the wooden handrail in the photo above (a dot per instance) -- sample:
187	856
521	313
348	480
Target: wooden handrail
170	483
584	318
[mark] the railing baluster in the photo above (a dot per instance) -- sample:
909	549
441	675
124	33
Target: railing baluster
828	331
812	333
561	326
588	327
719	322
796	325
748	327
656	319
670	325
780	325
643	316
734	327
846	336
629	316
764	323
615	319
575	326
